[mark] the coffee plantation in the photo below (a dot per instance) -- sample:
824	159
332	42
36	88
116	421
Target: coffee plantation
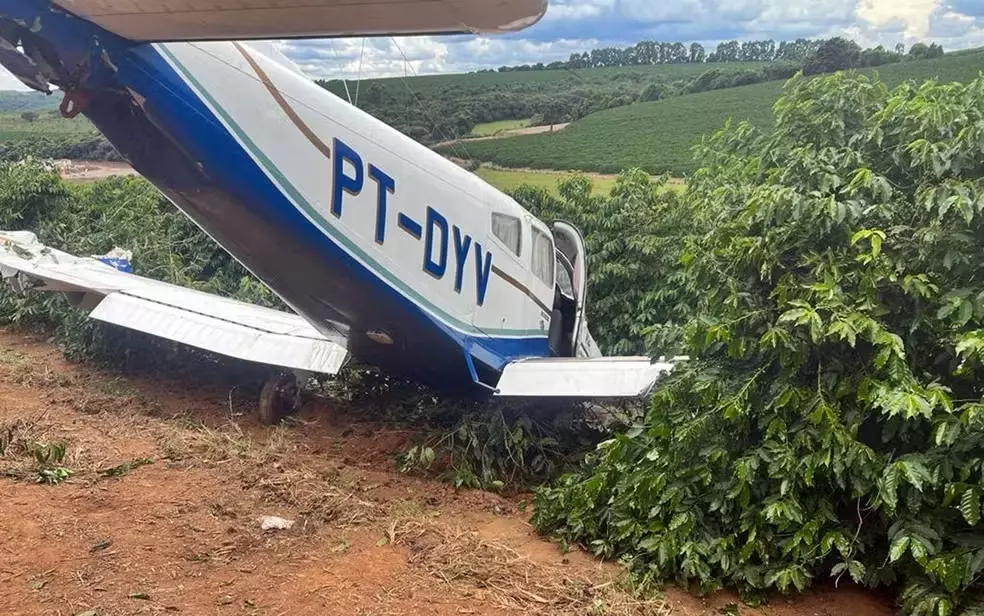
824	273
831	421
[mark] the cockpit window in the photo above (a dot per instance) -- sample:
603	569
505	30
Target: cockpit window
543	257
509	231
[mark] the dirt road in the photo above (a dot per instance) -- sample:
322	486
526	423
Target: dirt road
169	478
88	171
513	132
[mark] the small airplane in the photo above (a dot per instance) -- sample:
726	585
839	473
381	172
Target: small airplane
385	251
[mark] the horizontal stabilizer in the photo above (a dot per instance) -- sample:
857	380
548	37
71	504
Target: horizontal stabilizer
205	321
601	377
185	20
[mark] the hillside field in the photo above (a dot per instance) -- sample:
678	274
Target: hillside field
560	80
491	129
48	124
657	136
508	180
11	100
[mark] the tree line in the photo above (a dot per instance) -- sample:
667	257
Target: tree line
647	53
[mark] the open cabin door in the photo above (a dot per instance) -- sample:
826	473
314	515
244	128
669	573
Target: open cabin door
572	278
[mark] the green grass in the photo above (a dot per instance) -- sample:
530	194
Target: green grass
49	124
491	129
508	180
658	136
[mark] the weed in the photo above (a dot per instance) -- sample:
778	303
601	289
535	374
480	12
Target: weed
54	476
24	455
125	468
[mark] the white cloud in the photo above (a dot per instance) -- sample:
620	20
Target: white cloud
584	9
915	14
579	25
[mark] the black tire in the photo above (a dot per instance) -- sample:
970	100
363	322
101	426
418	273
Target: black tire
280	397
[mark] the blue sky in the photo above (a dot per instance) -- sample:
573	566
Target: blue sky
579	25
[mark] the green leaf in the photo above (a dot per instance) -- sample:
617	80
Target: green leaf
970	505
679	520
889	487
915	472
898	548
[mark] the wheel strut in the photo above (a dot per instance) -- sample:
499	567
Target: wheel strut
280	397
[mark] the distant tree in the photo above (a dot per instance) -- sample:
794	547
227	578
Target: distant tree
705	81
728	52
30	116
697	53
900	49
744	77
652	92
918	51
835	54
374	95
879	56
797	51
555	112
921	51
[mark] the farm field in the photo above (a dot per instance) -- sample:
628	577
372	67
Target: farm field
552	80
508	180
658	136
173	526
13	127
491	129
12	100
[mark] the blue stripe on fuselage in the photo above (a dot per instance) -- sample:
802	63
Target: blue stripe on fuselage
193	124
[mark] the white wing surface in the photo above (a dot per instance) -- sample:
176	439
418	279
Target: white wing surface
186	20
202	320
597	377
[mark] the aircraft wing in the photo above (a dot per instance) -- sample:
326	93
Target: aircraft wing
217	324
583	378
185	20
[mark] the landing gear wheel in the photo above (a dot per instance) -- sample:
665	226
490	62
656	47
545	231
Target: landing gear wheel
280	397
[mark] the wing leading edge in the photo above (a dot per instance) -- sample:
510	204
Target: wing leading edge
216	324
187	20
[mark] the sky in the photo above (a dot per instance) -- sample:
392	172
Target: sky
580	25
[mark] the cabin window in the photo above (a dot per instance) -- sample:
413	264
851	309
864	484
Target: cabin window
543	257
508	229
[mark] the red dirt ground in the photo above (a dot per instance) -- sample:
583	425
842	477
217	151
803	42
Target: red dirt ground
180	536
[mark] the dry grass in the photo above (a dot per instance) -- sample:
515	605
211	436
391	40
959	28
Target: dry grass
197	443
495	572
274	466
